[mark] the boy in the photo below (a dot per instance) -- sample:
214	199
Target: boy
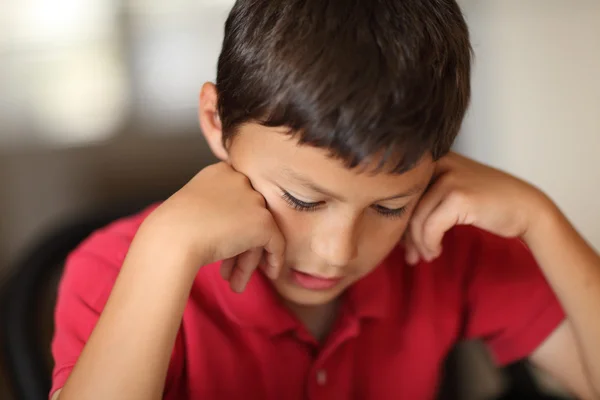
333	121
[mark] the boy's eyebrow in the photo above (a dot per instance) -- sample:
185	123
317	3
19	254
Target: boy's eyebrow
307	183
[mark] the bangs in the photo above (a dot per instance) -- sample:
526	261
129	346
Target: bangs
369	81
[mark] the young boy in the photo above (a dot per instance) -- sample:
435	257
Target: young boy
338	250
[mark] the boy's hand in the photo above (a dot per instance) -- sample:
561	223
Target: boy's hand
219	216
465	192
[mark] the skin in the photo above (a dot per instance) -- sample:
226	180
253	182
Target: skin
249	224
345	232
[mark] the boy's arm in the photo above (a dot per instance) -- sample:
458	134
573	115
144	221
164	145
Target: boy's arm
572	268
560	356
128	353
465	192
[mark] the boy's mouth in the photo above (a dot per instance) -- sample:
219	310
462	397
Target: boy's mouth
313	282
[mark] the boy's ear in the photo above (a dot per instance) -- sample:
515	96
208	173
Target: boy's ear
210	122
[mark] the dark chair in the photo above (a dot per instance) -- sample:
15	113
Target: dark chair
522	385
28	303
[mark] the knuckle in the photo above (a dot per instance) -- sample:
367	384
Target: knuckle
264	218
447	180
458	198
240	179
215	169
260	200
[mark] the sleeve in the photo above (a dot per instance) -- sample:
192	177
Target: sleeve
88	278
510	305
83	291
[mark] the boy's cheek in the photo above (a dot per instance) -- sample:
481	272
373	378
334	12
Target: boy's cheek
294	225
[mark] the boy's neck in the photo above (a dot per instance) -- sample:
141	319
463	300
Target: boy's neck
318	320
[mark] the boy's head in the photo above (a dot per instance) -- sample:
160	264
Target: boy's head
356	97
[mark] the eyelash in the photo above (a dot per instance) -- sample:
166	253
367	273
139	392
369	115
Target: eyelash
390	213
300	205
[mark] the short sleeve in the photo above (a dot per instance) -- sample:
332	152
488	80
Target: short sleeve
83	291
88	278
510	305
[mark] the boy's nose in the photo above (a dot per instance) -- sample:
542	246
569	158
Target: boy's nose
337	247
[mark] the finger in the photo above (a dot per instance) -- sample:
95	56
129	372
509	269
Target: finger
411	253
445	216
430	200
227	267
275	252
244	267
267	269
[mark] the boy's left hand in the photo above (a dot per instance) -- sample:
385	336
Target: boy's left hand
465	192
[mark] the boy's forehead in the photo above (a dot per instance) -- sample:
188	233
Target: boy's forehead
275	152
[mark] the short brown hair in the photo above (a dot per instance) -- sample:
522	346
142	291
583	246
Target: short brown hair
361	78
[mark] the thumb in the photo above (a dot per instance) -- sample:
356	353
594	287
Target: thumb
449	213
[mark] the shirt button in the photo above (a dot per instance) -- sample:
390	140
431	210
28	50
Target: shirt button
321	377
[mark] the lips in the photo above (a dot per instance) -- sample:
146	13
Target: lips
312	282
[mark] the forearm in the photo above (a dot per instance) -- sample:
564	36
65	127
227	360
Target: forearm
128	353
572	268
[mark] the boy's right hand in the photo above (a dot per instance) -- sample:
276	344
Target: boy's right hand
219	216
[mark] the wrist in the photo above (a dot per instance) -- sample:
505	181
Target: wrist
544	217
161	241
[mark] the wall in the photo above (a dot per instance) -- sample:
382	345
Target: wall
536	110
536	100
94	109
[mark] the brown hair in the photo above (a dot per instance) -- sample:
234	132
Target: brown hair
361	78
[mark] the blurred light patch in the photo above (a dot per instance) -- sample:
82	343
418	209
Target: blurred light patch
55	22
74	71
62	73
176	48
80	98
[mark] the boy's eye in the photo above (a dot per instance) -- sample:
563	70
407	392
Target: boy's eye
390	212
300	205
297	204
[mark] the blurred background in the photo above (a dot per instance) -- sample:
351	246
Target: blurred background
98	111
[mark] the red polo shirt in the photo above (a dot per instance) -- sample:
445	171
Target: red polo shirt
395	328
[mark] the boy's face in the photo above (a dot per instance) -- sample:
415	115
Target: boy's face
338	223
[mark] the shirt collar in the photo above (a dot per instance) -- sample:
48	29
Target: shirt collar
257	307
371	296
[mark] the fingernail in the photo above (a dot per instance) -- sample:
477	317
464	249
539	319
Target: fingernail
273	261
433	255
237	282
412	258
238	288
267	268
